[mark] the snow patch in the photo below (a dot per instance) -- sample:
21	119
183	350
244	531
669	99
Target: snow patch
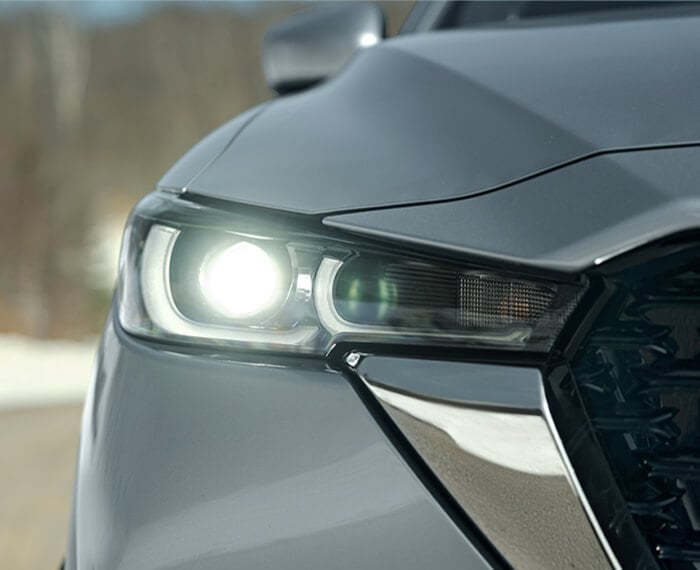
44	372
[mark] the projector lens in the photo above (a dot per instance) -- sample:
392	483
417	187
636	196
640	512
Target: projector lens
241	281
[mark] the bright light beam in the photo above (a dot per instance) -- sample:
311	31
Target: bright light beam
241	281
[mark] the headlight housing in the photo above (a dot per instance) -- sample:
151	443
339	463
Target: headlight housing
249	279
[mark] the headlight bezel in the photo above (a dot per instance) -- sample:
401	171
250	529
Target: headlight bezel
317	254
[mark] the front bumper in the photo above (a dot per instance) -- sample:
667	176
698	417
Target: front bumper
204	462
214	461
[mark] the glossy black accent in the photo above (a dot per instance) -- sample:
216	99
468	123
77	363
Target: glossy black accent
446	353
683	548
593	472
627	398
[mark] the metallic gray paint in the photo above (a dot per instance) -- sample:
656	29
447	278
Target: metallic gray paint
201	463
452	114
195	160
567	220
503	464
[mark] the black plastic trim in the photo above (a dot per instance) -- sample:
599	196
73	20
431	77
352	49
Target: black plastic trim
586	451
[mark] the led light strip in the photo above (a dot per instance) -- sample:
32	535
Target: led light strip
335	324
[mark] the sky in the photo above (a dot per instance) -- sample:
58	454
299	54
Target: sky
113	12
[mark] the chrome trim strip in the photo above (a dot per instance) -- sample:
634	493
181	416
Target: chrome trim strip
498	456
576	485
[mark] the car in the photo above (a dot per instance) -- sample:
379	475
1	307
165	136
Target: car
437	305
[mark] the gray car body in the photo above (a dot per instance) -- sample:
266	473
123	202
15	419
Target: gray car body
594	134
549	147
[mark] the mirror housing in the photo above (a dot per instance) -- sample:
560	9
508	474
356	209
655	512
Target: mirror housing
309	47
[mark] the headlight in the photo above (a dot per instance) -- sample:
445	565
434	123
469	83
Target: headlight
195	274
242	280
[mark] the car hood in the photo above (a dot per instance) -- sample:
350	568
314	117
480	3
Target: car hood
446	115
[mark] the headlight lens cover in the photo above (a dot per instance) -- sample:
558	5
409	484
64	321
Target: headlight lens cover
196	274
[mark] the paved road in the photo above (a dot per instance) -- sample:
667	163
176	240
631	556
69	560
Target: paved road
38	449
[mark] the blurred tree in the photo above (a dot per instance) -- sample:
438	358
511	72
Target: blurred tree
91	118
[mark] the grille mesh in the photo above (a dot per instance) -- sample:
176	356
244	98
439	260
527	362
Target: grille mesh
638	376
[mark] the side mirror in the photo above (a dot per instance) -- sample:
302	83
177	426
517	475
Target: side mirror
312	46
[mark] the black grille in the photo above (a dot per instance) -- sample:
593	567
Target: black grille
637	377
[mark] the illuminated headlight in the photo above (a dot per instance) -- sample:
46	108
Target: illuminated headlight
242	280
199	275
